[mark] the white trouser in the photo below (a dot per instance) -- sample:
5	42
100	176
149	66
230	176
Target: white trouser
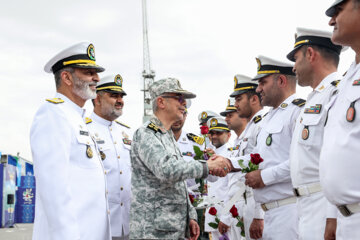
281	223
312	216
249	211
348	227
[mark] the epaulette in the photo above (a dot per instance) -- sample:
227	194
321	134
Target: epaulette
257	119
55	100
154	127
195	138
335	83
299	102
88	120
122	124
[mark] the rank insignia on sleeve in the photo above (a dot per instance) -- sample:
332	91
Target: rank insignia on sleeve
313	109
257	119
299	102
189	154
356	82
55	100
196	139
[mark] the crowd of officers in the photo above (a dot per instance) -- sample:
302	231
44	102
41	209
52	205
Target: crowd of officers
97	179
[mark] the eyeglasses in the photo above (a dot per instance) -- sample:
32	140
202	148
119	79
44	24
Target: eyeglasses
180	98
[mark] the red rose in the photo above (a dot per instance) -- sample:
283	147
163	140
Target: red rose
191	198
204	130
212	211
256	159
234	211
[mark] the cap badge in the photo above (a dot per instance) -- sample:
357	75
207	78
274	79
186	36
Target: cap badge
258	63
235	82
118	80
228	102
91	52
213	122
203	115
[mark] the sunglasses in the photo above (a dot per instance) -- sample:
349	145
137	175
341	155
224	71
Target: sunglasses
180	98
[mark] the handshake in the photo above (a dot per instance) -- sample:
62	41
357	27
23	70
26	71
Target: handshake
219	166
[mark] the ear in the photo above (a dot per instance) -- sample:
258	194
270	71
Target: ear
282	81
160	102
310	54
66	78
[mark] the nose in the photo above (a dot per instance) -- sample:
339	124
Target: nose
332	21
258	89
96	77
294	70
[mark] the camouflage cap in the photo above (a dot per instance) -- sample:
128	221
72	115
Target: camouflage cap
168	85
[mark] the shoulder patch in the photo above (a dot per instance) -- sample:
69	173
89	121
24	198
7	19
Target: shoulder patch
257	119
195	138
55	100
154	127
88	120
335	83
299	102
122	124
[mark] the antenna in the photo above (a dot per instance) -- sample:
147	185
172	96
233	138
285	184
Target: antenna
148	74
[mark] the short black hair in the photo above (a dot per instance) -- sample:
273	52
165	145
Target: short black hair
326	53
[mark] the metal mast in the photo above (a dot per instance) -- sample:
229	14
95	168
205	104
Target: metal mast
147	73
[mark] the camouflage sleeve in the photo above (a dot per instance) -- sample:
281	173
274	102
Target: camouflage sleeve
192	211
164	164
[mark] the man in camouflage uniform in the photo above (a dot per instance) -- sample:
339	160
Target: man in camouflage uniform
161	208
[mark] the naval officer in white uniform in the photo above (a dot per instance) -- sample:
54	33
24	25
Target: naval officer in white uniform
114	141
316	59
71	199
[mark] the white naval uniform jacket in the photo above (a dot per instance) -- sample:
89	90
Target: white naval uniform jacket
340	158
308	134
114	140
71	200
186	147
277	129
218	188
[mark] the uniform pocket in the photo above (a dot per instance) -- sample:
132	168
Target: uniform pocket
87	154
312	129
170	215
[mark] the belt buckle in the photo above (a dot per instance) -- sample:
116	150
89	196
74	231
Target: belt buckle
344	210
263	206
296	192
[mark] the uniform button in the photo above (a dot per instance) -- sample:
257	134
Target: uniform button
110	129
105	172
108	212
88	143
121	188
115	142
107	192
118	157
120	172
121	204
